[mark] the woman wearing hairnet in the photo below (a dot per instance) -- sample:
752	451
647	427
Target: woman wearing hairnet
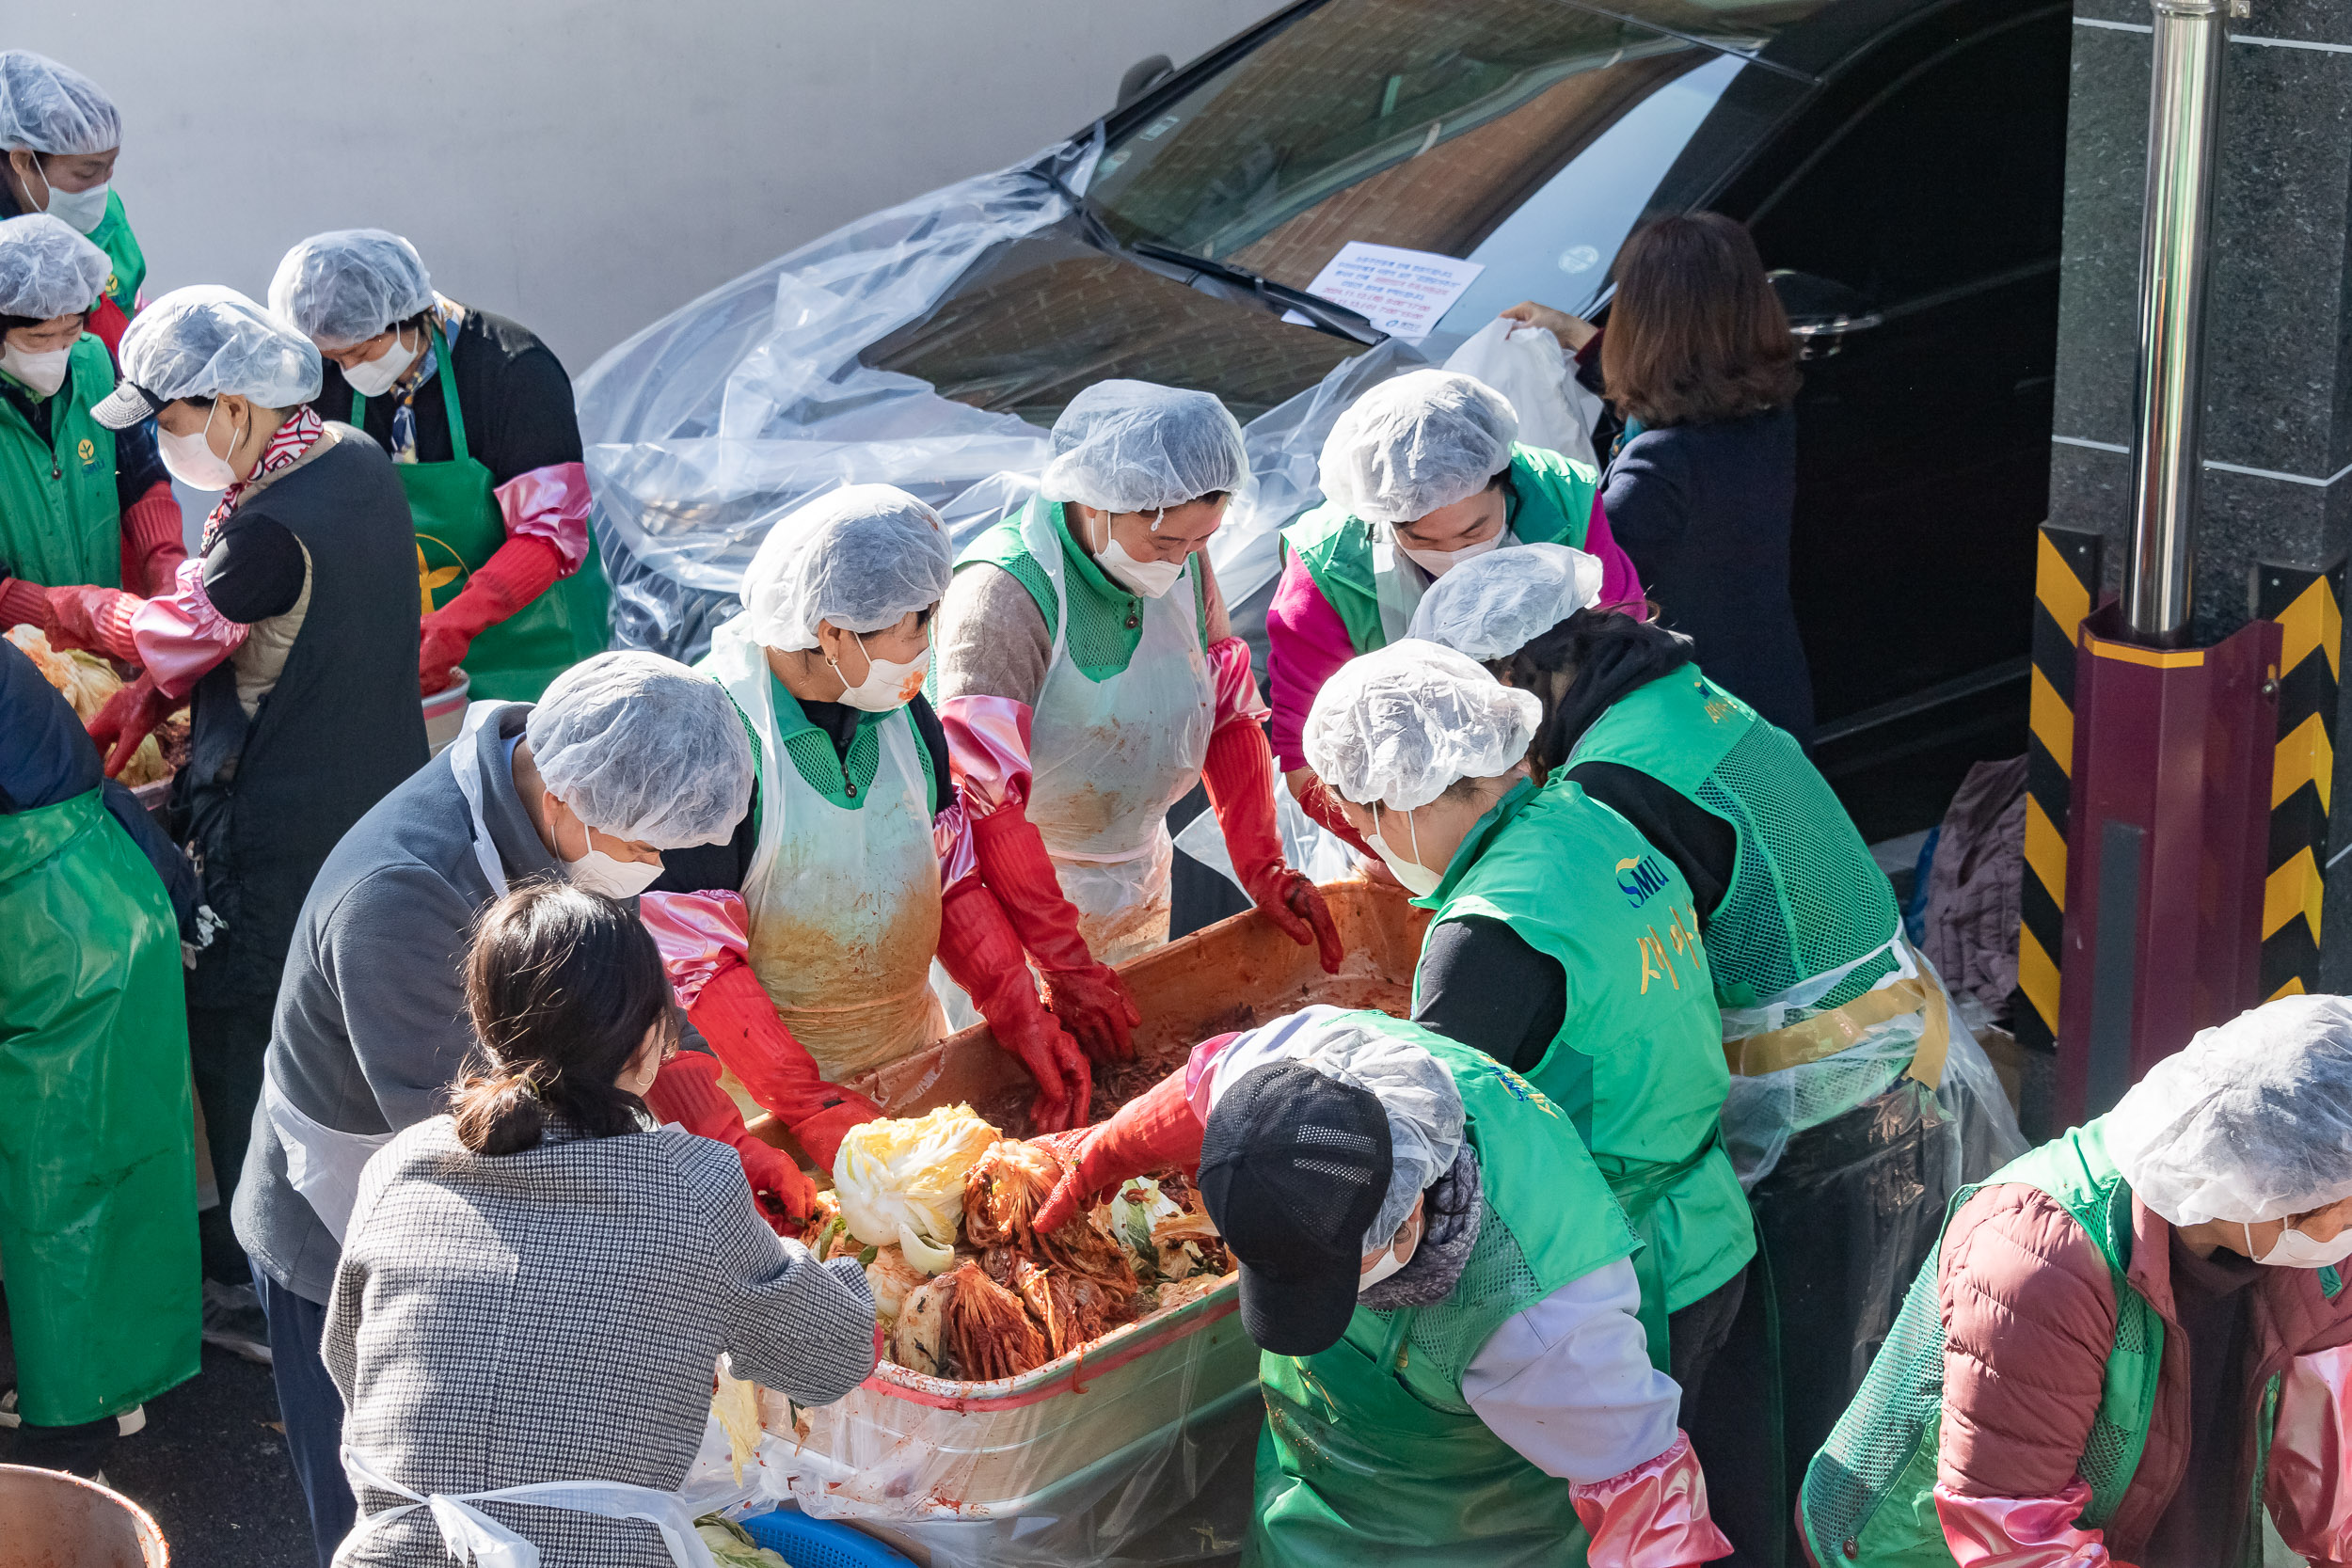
61	136
478	417
1859	1102
2131	1342
1454	1367
288	634
1561	944
854	862
88	522
1089	676
1421	474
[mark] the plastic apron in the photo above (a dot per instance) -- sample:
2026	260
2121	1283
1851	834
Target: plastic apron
1108	757
843	904
459	527
473	1536
97	1167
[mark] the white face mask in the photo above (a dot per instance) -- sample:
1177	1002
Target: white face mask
2294	1250
40	373
1151	579
598	872
1391	1261
1437	563
191	461
375	378
888	685
1419	880
84	210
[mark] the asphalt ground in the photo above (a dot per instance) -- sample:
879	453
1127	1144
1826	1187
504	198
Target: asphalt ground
210	1467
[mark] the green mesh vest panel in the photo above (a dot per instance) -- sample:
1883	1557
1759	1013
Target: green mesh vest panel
1105	621
1805	898
1868	1495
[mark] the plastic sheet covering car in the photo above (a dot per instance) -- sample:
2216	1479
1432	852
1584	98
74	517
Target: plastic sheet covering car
706	427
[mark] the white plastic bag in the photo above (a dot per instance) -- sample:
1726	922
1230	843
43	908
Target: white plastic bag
1527	364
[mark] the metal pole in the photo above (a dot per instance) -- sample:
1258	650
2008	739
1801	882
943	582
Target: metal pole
2184	122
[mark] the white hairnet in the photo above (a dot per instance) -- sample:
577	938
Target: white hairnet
1399	724
46	108
346	286
641	747
1363	1048
1417	442
2251	1120
1493	605
1130	445
860	557
47	269
206	339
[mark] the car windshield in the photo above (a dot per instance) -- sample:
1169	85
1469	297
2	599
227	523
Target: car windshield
1743	25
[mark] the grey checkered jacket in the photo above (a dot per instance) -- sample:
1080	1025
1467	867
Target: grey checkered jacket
554	1315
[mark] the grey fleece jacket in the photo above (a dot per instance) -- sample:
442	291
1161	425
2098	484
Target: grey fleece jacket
371	1022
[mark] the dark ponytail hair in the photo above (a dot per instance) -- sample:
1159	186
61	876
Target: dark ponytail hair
1582	665
562	985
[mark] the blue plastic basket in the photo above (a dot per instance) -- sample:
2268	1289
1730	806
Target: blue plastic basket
807	1542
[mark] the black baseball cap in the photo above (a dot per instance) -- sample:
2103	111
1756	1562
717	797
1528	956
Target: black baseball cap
1294	1168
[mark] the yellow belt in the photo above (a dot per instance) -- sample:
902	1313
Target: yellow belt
1827	1034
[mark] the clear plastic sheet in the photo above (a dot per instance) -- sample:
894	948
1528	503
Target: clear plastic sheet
706	427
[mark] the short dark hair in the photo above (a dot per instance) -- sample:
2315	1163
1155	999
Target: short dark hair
562	985
1579	667
1695	333
9	323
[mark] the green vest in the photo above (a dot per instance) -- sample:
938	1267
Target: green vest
1638	1064
1369	1453
113	235
1805	898
1105	620
60	520
1554	506
1869	1495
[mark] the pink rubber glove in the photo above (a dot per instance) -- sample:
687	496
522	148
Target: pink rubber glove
2022	1532
1652	1517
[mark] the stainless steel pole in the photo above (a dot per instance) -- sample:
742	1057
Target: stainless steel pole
2183	124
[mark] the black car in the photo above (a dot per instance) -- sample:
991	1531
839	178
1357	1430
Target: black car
1900	163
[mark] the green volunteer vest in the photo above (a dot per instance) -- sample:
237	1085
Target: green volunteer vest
1105	620
1805	898
1370	1450
1638	1064
60	520
1868	1497
113	235
1554	506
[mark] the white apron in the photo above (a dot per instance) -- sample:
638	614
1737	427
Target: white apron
323	1164
1108	757
473	1536
844	905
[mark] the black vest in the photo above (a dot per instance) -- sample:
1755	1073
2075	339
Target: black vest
265	799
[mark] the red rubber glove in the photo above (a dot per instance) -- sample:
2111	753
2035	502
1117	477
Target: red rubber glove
516	572
687	1092
1323	808
1151	1131
979	952
1239	773
129	717
152	543
1652	1517
1087	998
98	619
702	940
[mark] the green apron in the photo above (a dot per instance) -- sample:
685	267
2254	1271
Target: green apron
113	235
61	519
459	527
97	1149
1369	1453
1638	1064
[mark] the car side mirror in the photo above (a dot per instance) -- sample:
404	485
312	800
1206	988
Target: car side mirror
1821	311
1142	77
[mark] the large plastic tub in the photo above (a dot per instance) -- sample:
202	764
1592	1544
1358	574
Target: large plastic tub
904	1446
49	1519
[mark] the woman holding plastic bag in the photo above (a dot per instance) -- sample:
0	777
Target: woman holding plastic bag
1421	474
1859	1102
1088	677
855	862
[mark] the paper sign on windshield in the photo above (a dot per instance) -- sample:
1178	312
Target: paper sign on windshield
1402	293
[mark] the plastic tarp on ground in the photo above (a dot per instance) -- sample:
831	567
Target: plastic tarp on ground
706	427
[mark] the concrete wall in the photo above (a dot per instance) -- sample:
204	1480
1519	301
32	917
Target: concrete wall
584	167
